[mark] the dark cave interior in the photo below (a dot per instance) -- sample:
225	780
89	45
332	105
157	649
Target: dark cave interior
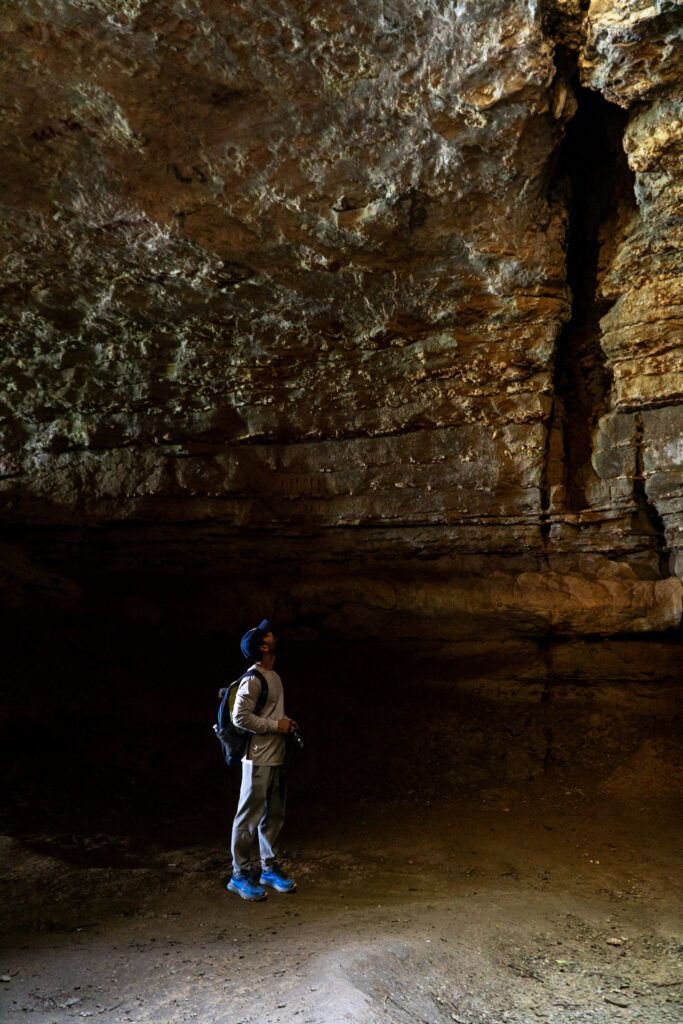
473	579
112	688
108	723
113	680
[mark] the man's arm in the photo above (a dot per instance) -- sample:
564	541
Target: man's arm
243	712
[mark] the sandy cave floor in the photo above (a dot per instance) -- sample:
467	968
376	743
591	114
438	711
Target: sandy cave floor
542	901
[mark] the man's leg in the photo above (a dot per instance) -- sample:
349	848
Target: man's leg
273	817
250	810
269	829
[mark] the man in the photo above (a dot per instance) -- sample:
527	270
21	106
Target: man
261	808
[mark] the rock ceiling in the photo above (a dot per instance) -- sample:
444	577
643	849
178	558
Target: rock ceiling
380	300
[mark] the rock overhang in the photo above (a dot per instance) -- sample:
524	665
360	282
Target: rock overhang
299	276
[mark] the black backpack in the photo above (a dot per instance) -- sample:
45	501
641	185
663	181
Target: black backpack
234	740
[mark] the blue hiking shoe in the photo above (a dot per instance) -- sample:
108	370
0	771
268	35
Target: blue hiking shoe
245	888
275	880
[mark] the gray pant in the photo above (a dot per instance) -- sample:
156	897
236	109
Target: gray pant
261	808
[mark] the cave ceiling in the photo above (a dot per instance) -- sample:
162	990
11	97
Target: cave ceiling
379	299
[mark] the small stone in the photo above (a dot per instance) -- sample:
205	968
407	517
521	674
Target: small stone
616	1002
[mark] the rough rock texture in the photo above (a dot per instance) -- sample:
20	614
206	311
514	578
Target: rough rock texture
333	291
633	55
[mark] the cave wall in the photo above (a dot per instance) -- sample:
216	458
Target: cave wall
331	299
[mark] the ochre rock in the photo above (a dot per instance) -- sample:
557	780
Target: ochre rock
287	288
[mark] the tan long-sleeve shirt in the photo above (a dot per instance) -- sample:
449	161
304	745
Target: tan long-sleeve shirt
267	745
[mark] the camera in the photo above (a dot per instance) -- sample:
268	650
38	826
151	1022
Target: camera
296	738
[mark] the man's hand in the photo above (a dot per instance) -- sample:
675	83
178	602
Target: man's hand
286	725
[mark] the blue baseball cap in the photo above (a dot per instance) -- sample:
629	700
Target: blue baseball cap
250	644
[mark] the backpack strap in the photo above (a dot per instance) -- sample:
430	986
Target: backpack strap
263	696
260	703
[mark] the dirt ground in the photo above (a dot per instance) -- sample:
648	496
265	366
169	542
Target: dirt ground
510	880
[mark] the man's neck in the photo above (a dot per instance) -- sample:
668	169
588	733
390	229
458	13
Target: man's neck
266	662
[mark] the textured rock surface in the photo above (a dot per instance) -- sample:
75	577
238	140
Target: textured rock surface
286	289
633	55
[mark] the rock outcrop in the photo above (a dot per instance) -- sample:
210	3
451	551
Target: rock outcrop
287	295
633	56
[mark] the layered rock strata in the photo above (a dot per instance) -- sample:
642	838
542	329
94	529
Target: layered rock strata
286	291
632	55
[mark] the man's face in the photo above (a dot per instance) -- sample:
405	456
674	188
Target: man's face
269	642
